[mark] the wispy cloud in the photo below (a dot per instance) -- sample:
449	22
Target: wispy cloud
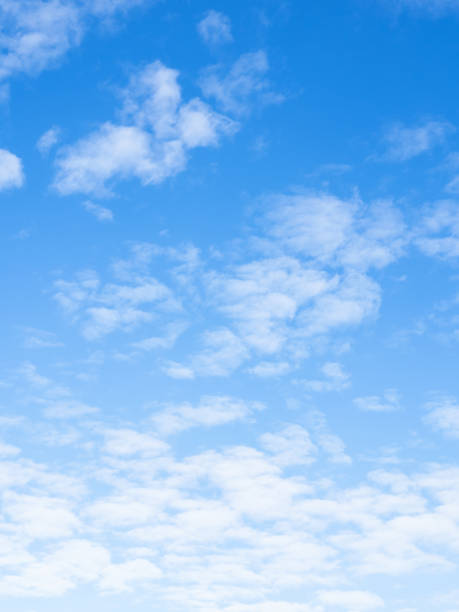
243	87
48	140
404	143
38	33
215	28
101	213
389	402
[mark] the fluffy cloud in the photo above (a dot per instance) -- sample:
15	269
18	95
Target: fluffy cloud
191	531
153	143
215	28
291	446
126	442
307	277
11	172
332	230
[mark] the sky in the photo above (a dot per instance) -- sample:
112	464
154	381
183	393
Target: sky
230	306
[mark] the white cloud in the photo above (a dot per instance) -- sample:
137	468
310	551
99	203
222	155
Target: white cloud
72	563
151	146
438	232
48	140
126	442
243	87
41	517
328	442
127	576
210	412
267	369
173	332
38	33
443	415
353	601
374	403
332	230
215	28
223	352
291	446
57	400
105	308
335	379
309	277
189	532
407	142
271	606
11	172
356	298
8	450
100	212
178	370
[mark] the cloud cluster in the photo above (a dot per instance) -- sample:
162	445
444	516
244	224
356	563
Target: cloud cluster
246	527
104	308
308	277
151	145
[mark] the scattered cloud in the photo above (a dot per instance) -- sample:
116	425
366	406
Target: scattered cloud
291	446
48	140
11	172
99	212
151	146
404	143
38	338
243	87
438	231
215	28
38	33
102	309
335	379
389	402
266	369
210	412
443	416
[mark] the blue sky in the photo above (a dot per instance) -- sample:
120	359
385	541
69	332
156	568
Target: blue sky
230	315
